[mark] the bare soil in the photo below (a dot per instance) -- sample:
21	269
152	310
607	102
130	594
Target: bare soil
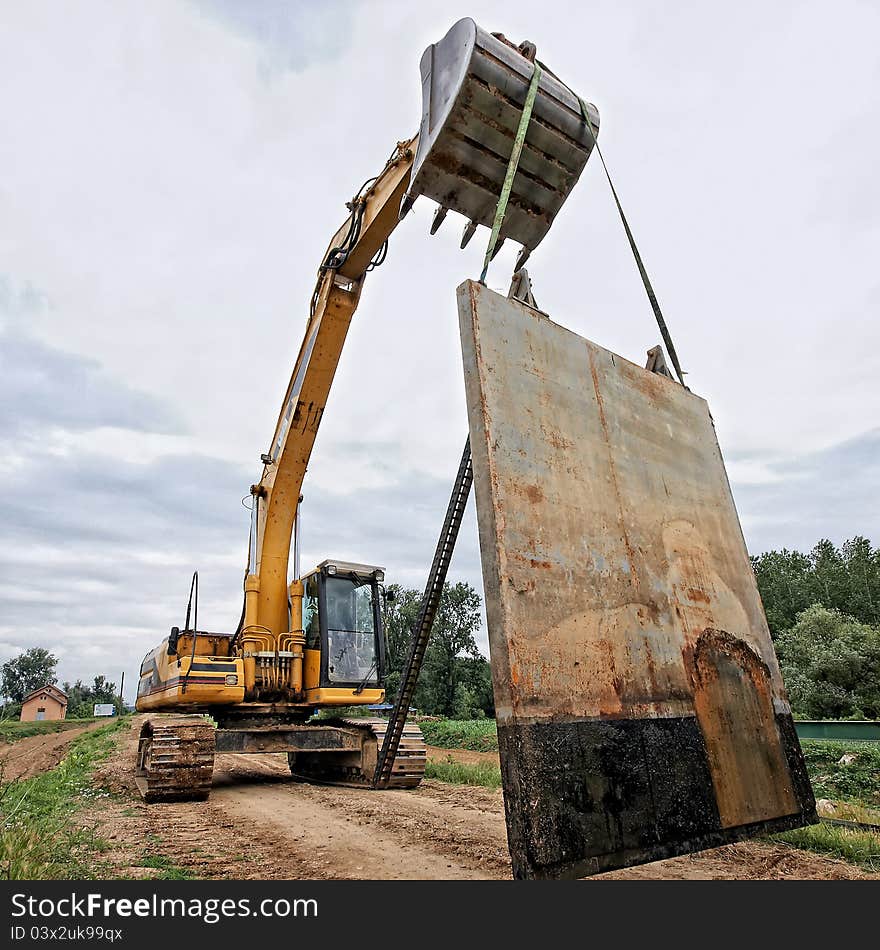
261	824
27	757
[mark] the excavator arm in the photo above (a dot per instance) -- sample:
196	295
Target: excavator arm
474	89
488	111
375	213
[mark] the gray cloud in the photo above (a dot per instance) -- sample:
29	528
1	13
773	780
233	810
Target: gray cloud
41	386
105	500
831	493
22	301
293	33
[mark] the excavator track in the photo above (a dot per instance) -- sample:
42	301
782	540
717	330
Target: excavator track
356	771
175	759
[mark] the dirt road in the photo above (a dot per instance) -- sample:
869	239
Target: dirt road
258	823
34	754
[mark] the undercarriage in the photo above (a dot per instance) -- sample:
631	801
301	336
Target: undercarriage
176	752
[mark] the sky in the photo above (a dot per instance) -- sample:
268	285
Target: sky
171	172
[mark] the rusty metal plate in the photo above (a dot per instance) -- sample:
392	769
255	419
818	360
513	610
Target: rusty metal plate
641	711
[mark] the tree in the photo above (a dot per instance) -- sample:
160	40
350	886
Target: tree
26	672
831	665
474	698
457	620
81	699
455	678
845	579
783	582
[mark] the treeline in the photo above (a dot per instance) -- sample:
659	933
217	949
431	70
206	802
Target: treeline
455	680
823	610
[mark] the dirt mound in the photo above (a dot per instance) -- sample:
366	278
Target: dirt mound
27	757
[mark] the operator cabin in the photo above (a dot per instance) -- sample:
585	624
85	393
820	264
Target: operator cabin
47	702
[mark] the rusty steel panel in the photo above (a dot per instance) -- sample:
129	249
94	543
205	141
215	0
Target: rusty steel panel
641	711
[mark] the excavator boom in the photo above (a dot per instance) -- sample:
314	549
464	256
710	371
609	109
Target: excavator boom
474	85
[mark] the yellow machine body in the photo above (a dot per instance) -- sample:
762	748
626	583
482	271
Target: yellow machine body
205	679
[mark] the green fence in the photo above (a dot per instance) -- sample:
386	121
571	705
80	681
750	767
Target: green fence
844	730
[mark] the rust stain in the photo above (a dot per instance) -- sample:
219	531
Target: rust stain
534	494
734	706
556	439
533	562
611	465
695	593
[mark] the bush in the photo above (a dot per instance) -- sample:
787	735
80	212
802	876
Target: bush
858	782
831	665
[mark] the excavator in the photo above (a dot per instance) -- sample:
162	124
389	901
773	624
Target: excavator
310	642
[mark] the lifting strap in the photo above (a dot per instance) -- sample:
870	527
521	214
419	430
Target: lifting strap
506	188
652	297
503	199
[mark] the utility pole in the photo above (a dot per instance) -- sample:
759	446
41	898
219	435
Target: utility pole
121	690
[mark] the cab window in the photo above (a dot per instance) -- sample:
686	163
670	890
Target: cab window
351	631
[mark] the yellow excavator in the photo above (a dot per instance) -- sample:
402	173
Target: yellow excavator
315	641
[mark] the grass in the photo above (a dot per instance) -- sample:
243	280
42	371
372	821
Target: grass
11	730
855	788
858	782
478	735
461	773
857	847
42	836
167	870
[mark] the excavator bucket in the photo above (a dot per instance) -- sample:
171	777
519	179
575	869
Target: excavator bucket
474	87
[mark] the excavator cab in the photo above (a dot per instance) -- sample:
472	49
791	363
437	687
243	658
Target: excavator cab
344	642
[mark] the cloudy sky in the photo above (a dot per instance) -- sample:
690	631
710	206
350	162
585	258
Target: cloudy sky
169	176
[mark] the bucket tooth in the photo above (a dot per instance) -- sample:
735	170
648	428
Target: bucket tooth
439	218
406	206
469	230
521	258
497	248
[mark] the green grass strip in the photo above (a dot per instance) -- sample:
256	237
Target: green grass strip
478	735
40	836
461	773
11	730
858	847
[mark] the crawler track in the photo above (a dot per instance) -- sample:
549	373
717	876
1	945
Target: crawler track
175	760
407	772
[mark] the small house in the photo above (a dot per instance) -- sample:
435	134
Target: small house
47	702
